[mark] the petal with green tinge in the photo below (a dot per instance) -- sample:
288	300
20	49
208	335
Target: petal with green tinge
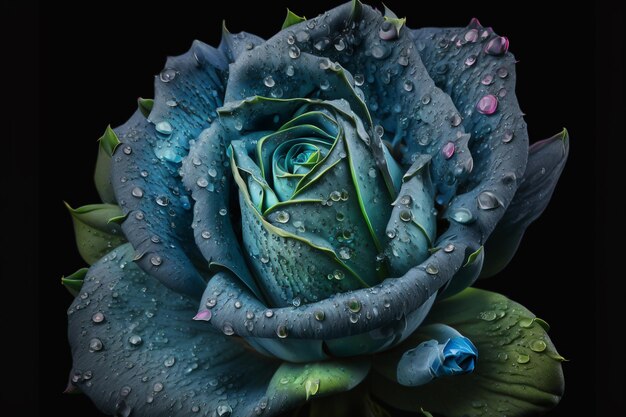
95	234
102	175
518	372
74	282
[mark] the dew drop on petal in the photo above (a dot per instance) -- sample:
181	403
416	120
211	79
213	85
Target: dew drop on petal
269	81
448	150
487	104
167	75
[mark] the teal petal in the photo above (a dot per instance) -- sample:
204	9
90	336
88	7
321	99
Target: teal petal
499	138
232	45
163	361
145	168
206	173
412	224
95	234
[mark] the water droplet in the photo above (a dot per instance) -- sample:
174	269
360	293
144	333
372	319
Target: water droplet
167	75
405	215
359	79
408	85
340	45
487	105
162	201
156	260
282	216
281	331
195	409
449	248
237	304
294	52
403	60
338	275
169	362
264	259
391	233
127	150
211	302
470	60
487	315
487	80
155	239
432	269
425	99
502	356
462	215
297	301
143	174
137	192
340	217
448	150
223	212
203	315
95	345
164	127
290	71
202	182
319	315
497	46
269	314
354	305
324	85
171	103
522	358
302	36
122	409
471	35
269	81
344	253
406	200
205	234
455	120
157	387
228	330
291	39
387	31
321	44
488	200
502	72
135	340
378	51
97	318
139	215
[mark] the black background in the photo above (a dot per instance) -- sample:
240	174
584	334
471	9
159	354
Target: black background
79	68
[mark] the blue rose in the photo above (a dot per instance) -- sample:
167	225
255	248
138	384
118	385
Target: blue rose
302	216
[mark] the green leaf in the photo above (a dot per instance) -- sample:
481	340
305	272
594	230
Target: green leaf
292	19
518	372
74	282
145	106
294	383
102	175
95	234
